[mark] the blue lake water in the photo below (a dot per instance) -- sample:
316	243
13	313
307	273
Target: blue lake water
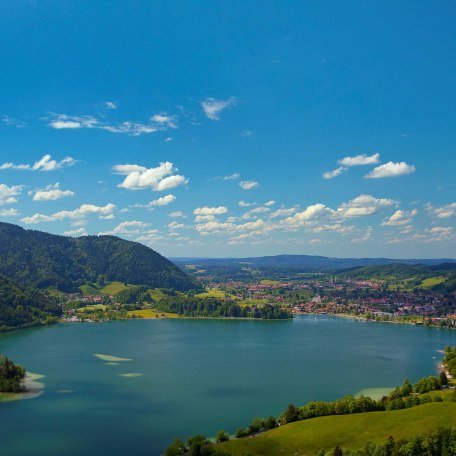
198	376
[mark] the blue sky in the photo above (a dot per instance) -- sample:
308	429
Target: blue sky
248	128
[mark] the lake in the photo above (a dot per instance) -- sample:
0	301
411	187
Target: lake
197	376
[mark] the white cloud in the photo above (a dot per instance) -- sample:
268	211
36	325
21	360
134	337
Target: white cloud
78	232
7	120
270	203
127	228
177	214
157	122
175	225
248	184
164	200
110	105
254	212
210	210
390	169
233	176
447	211
244	204
359	160
46	163
213	107
400	218
364	205
81	212
8	212
311	212
158	179
50	193
283	212
334	173
8	194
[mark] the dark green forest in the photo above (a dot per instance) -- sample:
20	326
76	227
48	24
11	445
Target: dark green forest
43	260
212	307
21	306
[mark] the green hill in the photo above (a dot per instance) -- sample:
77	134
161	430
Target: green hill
346	431
21	306
44	260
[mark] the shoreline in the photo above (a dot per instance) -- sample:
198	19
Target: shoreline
369	320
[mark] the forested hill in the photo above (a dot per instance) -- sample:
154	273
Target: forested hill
41	260
21	306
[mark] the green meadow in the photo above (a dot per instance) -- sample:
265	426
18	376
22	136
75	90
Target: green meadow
347	431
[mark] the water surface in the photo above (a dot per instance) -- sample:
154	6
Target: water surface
182	377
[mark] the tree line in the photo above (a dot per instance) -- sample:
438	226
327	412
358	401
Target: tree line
213	307
441	442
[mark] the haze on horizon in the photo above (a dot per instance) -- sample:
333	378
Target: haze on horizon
233	129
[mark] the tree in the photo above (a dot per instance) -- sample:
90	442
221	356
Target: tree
177	448
270	423
221	436
443	379
291	414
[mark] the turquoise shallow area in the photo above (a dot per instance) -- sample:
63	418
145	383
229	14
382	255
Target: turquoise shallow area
197	376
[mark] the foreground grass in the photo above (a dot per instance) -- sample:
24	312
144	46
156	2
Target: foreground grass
347	431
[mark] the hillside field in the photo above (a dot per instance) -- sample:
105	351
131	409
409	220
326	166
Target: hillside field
347	431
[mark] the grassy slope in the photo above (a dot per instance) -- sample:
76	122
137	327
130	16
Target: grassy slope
348	431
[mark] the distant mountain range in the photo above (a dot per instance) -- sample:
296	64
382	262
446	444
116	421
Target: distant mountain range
304	262
41	260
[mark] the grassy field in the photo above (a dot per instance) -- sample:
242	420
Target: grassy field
151	313
88	290
92	307
156	295
270	282
347	431
213	293
113	288
431	281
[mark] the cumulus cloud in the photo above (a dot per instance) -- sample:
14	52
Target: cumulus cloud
400	218
8	194
210	210
160	178
311	212
12	212
253	213
50	193
176	214
364	205
46	163
334	173
244	204
283	212
443	212
127	228
213	107
81	212
269	203
248	184
360	160
163	201
78	232
390	169
175	225
110	105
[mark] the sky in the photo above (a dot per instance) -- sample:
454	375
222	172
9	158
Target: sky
233	128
